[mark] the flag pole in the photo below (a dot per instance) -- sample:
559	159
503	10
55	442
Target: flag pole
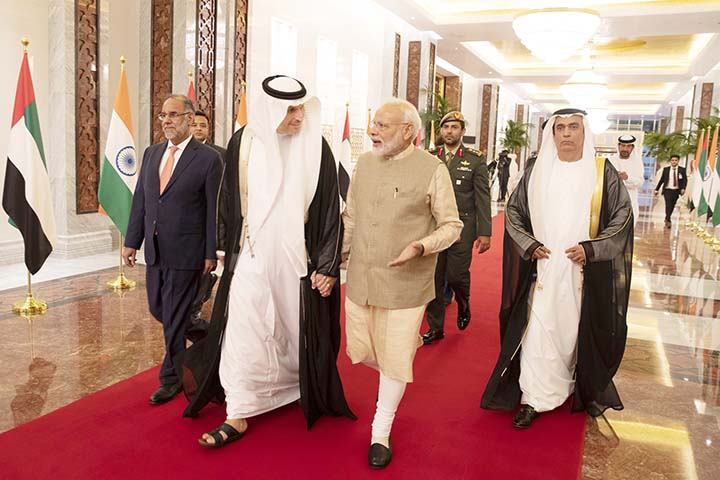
31	305
121	282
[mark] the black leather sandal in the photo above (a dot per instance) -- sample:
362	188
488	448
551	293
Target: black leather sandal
220	441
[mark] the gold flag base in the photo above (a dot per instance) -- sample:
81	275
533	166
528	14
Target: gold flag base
30	306
121	283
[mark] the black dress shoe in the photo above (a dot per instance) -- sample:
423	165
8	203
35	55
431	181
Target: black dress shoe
524	417
431	335
379	456
165	393
463	320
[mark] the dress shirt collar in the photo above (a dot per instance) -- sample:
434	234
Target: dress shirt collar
181	146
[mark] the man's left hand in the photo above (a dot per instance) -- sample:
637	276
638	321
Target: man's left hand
413	250
322	283
482	244
209	266
576	254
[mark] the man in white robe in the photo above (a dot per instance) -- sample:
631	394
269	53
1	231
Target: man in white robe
276	313
566	271
629	165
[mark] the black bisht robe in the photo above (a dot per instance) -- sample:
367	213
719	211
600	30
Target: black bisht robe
320	386
603	314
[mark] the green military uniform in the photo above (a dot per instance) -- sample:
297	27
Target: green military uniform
469	174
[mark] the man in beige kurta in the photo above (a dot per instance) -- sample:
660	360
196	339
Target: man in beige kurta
400	213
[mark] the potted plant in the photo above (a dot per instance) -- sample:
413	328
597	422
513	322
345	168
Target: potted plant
431	118
516	137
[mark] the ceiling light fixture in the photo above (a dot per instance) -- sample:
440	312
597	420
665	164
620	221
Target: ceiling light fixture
555	34
584	89
597	118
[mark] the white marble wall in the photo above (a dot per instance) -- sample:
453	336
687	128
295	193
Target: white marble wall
184	31
144	132
471	106
224	72
360	25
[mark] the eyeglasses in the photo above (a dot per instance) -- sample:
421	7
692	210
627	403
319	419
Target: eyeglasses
171	115
384	126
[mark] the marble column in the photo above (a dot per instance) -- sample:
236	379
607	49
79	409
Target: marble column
183	45
679	118
453	93
78	235
396	66
412	94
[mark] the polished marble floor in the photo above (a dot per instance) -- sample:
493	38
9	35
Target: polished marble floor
669	380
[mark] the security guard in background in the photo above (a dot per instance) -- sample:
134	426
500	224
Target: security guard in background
469	175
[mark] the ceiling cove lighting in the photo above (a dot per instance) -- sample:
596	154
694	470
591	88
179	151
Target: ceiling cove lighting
555	34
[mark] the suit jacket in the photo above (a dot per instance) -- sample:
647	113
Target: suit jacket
665	178
218	149
178	227
469	175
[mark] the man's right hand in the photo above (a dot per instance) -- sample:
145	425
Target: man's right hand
655	192
541	252
128	255
623	175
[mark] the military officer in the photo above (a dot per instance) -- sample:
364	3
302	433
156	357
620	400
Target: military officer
469	174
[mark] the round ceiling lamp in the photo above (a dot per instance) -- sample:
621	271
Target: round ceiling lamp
597	118
555	34
584	89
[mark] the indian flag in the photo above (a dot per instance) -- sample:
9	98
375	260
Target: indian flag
697	178
713	185
26	195
705	176
120	166
241	117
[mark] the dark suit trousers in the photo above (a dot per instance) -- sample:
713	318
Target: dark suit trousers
504	178
671	198
170	293
453	267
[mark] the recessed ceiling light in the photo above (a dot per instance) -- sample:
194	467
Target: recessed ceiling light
412	18
490	73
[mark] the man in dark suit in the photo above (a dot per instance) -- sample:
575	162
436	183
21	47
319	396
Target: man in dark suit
201	132
503	173
173	212
469	175
674	181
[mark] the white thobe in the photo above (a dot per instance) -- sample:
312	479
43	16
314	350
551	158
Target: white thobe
548	353
635	170
259	361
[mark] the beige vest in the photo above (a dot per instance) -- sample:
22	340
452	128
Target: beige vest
392	209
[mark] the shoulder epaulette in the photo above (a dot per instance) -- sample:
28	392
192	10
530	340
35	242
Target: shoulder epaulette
475	152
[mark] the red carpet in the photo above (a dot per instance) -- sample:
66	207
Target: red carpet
440	431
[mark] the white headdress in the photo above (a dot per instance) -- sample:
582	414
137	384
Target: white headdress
538	198
284	169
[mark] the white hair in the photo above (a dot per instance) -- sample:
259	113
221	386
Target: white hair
409	112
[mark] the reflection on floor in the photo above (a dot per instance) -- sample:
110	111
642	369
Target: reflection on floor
669	379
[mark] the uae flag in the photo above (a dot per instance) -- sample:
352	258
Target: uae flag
26	195
191	91
119	167
345	159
